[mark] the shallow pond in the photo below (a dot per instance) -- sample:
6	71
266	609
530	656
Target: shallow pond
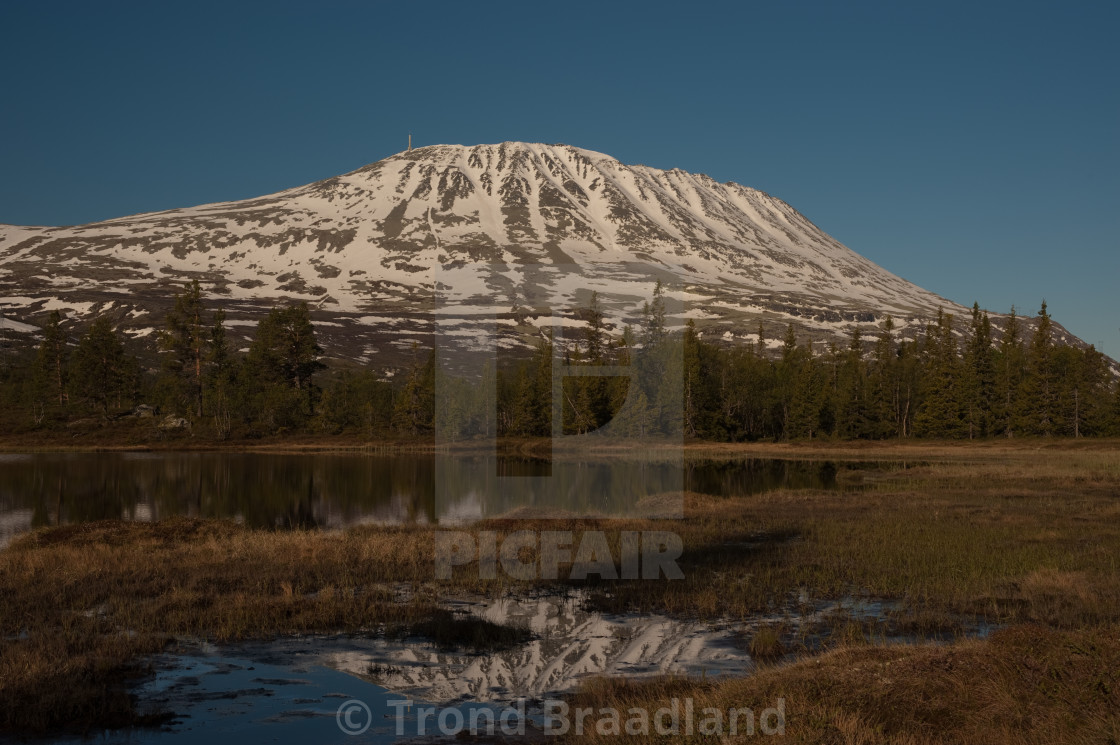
313	688
335	491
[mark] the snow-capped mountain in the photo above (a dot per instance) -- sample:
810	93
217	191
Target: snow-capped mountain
504	232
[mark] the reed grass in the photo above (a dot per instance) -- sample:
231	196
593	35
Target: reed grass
1026	539
1026	685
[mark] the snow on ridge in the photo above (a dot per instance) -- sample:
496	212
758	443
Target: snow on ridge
551	221
23	328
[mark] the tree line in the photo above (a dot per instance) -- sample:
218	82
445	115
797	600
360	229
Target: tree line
954	381
200	383
951	382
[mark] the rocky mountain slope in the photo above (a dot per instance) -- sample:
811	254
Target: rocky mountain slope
449	237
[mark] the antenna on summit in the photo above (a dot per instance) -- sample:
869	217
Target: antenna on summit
410	142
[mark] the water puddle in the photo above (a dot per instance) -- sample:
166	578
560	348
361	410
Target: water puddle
311	689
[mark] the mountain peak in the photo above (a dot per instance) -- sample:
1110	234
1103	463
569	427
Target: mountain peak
368	249
509	147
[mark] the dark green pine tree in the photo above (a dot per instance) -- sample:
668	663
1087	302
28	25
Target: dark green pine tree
809	397
1084	392
533	415
1114	427
831	362
907	387
1039	389
51	374
668	403
19	395
103	374
579	405
980	376
852	409
1010	364
653	318
785	379
184	342
628	398
1096	380
414	407
693	383
883	384
595	333
942	412
220	380
285	346
356	401
660	370
280	368
620	387
595	391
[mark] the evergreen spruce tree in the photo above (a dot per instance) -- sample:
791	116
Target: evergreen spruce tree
634	417
668	401
808	399
1039	388
883	384
1095	381
785	378
659	368
20	394
830	364
907	387
414	406
1084	392
619	388
103	375
1114	428
220	380
280	367
692	382
852	411
51	374
980	375
595	334
1009	376
356	402
534	401
184	341
942	411
653	318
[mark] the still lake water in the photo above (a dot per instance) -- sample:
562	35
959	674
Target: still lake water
339	490
296	690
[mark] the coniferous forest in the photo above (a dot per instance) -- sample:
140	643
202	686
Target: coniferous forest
957	380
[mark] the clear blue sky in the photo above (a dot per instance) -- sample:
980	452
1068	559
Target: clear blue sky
971	148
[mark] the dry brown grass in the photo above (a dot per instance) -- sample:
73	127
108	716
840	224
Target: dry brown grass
1026	685
1015	539
995	448
81	603
137	436
957	537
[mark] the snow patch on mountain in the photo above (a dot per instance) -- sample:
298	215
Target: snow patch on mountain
520	231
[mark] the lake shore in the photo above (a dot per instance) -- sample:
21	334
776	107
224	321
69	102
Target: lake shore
55	442
1024	538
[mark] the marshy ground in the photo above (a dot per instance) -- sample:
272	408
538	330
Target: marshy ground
1022	541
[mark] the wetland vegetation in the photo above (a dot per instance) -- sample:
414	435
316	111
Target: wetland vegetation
1023	541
